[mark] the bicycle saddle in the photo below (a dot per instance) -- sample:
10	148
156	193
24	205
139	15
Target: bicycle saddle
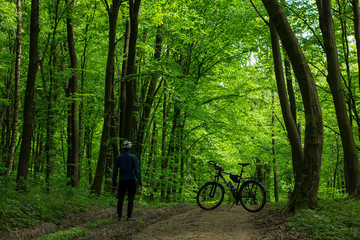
244	164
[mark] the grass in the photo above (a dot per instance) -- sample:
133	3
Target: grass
26	210
334	220
99	223
66	235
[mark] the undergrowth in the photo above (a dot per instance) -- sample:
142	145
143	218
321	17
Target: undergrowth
99	223
66	235
26	210
333	220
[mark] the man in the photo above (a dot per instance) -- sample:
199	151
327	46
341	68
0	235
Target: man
129	172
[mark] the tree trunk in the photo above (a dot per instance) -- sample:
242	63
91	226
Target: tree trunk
134	6
51	95
73	91
307	184
290	124
273	143
173	142
10	162
88	138
150	97
122	100
153	164
356	19
27	133
7	94
164	159
108	111
351	160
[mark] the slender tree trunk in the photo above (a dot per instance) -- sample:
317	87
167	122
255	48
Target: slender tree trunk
307	184
182	156
10	163
292	132
122	100
153	163
172	147
165	160
134	6
351	160
8	93
82	91
36	161
273	143
356	19
113	13
150	97
337	164
27	132
51	94
290	88
88	139
73	91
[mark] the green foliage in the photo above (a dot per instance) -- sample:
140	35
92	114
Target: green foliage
99	223
25	210
335	220
66	235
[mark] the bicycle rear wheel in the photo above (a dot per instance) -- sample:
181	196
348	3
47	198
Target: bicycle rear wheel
252	196
210	196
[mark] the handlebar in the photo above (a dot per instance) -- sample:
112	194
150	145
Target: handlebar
220	168
212	163
217	166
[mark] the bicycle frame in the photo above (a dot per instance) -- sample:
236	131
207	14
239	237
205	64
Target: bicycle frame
229	183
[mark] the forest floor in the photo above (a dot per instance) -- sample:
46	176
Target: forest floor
179	222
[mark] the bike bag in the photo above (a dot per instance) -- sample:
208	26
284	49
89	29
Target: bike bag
235	178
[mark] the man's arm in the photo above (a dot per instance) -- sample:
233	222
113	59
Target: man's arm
137	171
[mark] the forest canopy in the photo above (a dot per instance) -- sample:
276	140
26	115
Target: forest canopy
186	82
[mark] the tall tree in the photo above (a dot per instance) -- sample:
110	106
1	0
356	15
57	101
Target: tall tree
150	96
273	147
165	160
113	12
18	46
74	110
134	6
351	160
122	89
290	123
356	19
27	133
51	95
307	182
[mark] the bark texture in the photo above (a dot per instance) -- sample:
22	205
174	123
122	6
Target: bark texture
307	181
28	122
351	160
113	12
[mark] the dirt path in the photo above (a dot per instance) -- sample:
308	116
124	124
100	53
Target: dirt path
200	224
180	222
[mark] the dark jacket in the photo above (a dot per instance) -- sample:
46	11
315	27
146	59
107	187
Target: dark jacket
129	168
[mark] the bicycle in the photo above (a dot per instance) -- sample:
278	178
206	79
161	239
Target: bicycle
250	194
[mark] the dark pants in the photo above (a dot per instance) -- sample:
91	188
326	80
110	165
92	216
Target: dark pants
129	187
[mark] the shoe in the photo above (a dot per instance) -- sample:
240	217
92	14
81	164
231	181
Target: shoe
131	219
119	219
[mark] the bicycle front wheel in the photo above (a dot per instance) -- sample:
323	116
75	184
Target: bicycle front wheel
252	196
210	196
